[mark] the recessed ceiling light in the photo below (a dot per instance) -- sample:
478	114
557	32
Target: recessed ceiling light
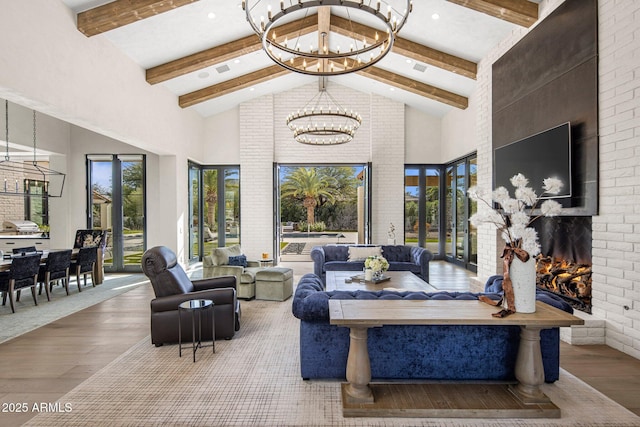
435	16
252	89
211	15
236	61
392	88
203	75
408	61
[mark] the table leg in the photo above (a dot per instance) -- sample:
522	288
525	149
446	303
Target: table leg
180	332
358	367
529	368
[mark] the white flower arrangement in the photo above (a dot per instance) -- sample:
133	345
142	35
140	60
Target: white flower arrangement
515	216
376	263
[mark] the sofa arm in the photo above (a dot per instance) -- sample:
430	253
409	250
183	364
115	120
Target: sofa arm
421	257
171	302
317	255
226	281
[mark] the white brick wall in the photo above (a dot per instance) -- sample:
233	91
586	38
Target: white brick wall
256	170
265	138
616	230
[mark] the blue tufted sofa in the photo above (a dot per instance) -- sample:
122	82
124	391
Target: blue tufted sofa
447	352
400	257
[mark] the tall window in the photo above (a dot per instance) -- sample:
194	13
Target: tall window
461	244
117	197
422	207
214	203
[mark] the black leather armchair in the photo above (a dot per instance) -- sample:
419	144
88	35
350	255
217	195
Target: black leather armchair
172	286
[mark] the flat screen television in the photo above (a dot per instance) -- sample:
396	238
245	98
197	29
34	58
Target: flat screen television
543	155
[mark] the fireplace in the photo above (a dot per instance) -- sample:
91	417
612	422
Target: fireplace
564	264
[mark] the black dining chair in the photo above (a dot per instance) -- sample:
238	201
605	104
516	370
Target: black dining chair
25	250
22	274
56	268
83	265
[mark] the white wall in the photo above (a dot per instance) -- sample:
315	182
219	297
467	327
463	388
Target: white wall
423	137
616	230
222	139
459	136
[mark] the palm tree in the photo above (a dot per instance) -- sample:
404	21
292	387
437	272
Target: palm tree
310	187
210	184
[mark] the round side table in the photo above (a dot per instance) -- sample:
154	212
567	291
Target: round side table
196	307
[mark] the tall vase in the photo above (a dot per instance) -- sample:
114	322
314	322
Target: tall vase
523	280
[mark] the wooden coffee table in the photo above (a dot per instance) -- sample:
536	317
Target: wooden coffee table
460	400
400	281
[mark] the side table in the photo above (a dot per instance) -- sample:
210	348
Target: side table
196	307
266	262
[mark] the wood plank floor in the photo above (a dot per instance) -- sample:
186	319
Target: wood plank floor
45	364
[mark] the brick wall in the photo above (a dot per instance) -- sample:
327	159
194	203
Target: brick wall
265	139
616	230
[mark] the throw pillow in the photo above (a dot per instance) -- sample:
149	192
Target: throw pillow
239	260
360	253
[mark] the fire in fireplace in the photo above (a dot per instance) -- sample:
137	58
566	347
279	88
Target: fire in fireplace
569	279
564	266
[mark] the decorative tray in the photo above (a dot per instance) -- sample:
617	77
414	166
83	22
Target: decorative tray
360	278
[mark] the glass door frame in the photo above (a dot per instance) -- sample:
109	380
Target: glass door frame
277	224
467	243
422	198
221	211
116	234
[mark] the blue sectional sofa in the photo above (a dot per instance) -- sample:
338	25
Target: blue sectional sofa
448	352
400	257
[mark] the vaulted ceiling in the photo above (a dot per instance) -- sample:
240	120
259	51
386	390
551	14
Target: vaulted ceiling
205	52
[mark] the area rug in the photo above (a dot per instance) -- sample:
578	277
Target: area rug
28	316
254	380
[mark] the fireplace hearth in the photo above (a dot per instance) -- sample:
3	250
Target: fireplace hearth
564	265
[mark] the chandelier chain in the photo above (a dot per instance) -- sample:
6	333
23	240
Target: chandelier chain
6	124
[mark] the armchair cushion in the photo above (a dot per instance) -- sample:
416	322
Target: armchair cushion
220	256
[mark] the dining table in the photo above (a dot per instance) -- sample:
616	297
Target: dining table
5	262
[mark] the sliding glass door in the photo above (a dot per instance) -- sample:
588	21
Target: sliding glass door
461	243
214	208
117	200
422	208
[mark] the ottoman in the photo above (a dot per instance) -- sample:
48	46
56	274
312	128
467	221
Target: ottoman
275	283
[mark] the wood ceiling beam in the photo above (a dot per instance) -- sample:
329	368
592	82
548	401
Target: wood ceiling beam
274	71
416	87
404	47
519	12
123	12
219	54
233	85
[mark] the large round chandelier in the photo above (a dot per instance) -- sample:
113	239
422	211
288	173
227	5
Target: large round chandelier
295	34
323	121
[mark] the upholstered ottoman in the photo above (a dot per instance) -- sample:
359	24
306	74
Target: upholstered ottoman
275	283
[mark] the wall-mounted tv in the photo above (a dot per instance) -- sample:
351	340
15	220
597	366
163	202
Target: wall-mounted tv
543	155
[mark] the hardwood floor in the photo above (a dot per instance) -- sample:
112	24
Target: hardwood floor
45	364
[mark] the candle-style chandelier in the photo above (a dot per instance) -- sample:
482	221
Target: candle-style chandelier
323	121
27	178
295	33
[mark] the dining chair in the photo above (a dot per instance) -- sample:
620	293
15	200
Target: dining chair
25	250
54	269
23	273
83	265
